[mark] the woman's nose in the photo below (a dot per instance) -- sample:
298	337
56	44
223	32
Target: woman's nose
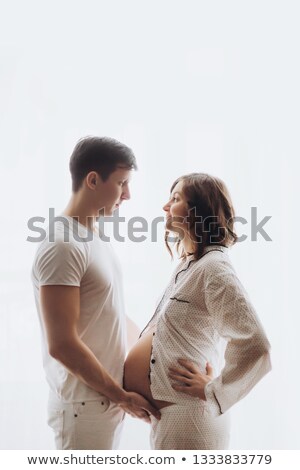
166	207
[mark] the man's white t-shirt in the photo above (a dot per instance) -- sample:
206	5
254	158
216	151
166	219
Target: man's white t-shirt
63	258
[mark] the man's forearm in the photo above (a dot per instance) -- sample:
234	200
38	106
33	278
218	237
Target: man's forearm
82	363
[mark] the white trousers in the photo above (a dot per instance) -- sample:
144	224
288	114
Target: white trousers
189	427
90	425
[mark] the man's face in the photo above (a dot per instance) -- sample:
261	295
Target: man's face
113	191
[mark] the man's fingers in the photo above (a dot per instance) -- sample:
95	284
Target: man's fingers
140	413
153	411
141	407
146	417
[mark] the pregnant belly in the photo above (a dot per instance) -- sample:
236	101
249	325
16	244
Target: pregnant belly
136	370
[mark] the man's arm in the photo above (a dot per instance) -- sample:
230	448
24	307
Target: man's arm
60	307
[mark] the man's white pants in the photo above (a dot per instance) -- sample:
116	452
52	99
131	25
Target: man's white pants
94	425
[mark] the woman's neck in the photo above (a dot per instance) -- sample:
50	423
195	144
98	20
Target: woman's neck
188	245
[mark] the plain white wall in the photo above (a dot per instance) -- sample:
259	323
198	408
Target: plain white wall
190	86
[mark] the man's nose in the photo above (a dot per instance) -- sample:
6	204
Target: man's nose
126	194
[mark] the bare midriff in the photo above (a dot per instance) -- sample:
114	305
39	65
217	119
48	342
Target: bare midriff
137	368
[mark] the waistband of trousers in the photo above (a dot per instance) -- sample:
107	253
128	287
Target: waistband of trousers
54	399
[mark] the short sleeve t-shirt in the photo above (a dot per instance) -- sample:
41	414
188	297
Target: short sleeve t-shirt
72	255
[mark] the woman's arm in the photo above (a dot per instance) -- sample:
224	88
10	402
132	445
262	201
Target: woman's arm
247	357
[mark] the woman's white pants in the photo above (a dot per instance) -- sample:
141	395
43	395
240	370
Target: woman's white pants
189	426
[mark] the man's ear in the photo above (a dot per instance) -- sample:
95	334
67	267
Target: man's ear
92	179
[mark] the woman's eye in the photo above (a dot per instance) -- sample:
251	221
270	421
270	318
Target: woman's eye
174	199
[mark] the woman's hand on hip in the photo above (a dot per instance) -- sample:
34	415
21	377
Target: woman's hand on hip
192	381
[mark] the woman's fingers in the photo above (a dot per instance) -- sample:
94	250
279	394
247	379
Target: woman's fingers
188	365
190	371
181	388
192	381
209	370
180	378
181	372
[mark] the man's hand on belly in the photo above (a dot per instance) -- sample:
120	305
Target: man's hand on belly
192	381
138	407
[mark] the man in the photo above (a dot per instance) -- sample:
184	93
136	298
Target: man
78	293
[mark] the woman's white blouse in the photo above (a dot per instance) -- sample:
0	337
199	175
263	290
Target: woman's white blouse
204	304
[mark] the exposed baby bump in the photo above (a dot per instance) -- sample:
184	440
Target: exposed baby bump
137	370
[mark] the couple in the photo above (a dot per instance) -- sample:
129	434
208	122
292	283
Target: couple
172	377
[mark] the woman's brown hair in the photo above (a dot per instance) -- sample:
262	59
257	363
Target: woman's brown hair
210	207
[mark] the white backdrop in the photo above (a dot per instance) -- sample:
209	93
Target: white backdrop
190	86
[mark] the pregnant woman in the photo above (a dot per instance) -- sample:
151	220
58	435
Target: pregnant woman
179	363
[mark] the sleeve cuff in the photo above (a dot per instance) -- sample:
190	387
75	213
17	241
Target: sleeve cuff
211	400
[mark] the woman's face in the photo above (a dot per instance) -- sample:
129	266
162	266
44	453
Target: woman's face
176	211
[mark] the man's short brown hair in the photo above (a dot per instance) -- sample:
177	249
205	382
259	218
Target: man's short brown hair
101	154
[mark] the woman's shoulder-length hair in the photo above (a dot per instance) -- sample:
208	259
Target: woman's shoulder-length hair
210	213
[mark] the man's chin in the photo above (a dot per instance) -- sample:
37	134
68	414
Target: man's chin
109	212
106	212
